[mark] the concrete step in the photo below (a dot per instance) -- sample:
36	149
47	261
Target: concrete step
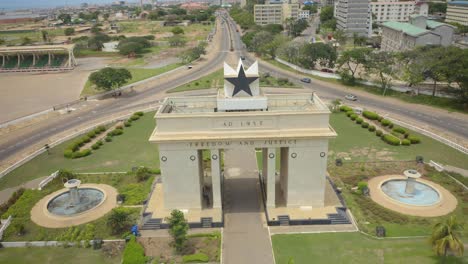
284	220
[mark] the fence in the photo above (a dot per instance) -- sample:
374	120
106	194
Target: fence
44	182
430	134
5	224
14	244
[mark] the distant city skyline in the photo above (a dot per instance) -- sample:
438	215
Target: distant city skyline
24	4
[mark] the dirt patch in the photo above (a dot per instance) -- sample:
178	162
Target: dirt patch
161	249
113	249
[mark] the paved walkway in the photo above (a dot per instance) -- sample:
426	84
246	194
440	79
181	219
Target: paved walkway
246	239
32	184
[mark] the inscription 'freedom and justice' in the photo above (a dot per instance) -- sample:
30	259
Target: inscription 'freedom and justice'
243	143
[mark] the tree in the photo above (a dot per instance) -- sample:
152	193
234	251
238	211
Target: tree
177	41
358	40
178	228
130	49
311	8
437	7
26	41
340	37
290	51
106	16
95	29
69	31
313	53
446	236
326	13
295	27
331	24
382	64
350	61
412	67
2	41
259	41
194	53
45	35
177	31
119	220
271	47
110	78
66	18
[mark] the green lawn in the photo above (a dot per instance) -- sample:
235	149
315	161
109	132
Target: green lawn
439	102
352	248
361	145
138	74
126	151
16	37
53	255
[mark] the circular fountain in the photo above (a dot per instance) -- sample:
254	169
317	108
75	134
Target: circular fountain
75	200
409	191
76	204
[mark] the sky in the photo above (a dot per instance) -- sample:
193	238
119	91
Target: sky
16	4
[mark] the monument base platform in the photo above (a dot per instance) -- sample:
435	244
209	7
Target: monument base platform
155	214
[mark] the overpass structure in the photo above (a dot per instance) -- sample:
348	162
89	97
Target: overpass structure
37	58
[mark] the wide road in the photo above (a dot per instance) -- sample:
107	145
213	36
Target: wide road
455	123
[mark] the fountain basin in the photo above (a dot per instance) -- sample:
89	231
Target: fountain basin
88	198
423	194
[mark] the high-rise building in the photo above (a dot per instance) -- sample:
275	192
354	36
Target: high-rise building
397	10
457	12
275	12
354	16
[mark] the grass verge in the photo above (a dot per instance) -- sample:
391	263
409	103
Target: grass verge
352	248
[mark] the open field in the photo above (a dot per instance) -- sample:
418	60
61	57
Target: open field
353	248
16	37
138	74
131	149
52	255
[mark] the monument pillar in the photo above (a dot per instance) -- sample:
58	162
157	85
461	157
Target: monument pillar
216	177
306	176
269	174
181	178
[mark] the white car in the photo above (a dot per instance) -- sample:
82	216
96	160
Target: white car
350	97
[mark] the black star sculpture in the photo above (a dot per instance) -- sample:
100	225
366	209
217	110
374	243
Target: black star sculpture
241	82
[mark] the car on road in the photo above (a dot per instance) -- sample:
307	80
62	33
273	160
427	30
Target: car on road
326	70
351	97
306	80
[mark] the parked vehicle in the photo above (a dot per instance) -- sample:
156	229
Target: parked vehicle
189	67
350	97
306	80
327	70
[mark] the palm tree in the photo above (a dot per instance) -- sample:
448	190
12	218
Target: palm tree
446	236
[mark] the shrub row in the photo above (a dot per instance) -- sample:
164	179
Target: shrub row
345	108
71	152
370	115
391	139
97	145
197	258
11	201
133	253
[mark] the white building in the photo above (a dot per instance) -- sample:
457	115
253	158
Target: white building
276	12
457	12
397	10
398	36
303	14
354	16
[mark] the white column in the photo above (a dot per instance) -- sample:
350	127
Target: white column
181	179
270	175
216	177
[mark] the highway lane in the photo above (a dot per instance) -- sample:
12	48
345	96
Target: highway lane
111	106
442	121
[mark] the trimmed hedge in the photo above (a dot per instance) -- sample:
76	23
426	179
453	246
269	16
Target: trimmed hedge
359	120
399	130
406	142
365	125
371	128
378	133
127	123
345	108
11	201
198	257
349	113
385	122
134	253
390	139
414	139
72	151
370	115
353	117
